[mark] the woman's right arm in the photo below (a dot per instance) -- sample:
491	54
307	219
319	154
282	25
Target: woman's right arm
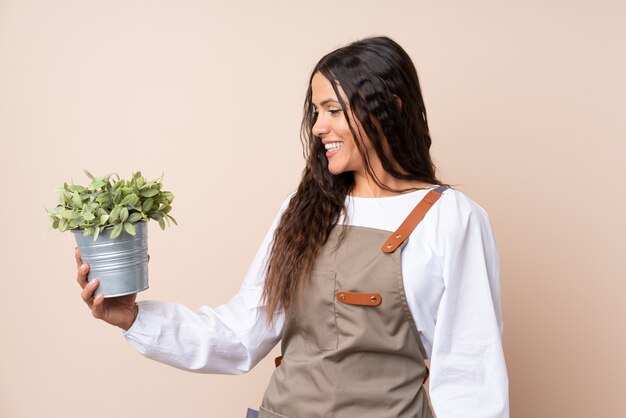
229	339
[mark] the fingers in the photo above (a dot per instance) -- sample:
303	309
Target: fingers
95	304
83	269
81	276
79	260
87	293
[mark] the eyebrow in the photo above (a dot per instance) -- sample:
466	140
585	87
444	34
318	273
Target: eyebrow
323	102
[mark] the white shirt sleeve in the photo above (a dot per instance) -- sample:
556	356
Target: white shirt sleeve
468	373
229	339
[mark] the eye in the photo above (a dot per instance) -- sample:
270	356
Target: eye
334	111
314	113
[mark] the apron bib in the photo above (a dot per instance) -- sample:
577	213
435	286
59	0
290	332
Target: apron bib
350	345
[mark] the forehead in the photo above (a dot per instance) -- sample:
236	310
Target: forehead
322	90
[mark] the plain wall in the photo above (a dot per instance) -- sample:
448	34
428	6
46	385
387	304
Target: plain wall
526	109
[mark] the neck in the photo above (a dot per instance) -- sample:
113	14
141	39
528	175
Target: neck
365	186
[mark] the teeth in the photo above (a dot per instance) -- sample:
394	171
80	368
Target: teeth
333	145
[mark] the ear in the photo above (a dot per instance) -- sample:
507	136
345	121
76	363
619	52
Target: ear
398	102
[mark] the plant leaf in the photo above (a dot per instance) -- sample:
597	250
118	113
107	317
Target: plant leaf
161	222
103	197
76	188
173	220
115	214
129	228
134	217
131	199
104	219
149	192
91	177
75	222
124	214
76	200
97	184
116	231
147	204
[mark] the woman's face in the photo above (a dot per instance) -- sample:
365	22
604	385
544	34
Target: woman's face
332	127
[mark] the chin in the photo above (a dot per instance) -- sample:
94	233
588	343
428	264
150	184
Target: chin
335	171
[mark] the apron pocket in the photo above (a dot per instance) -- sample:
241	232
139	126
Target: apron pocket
315	312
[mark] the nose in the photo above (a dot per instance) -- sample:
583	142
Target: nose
320	127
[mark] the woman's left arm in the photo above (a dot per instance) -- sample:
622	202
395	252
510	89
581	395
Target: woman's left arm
468	372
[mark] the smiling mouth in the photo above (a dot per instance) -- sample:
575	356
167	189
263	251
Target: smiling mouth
333	146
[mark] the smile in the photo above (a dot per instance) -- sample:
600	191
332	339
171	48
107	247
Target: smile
333	145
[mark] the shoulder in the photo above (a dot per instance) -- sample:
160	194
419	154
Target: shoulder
286	201
281	210
457	212
456	202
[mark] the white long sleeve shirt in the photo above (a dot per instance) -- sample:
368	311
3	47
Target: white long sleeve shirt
450	268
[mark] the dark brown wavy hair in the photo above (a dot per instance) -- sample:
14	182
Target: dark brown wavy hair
374	73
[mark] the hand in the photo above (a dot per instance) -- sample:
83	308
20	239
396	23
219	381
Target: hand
120	311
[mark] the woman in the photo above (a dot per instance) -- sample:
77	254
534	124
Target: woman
371	267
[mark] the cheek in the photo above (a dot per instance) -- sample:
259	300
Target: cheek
359	132
343	131
350	144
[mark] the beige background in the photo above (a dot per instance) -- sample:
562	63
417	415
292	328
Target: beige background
526	106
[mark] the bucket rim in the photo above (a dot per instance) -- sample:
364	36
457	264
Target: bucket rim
76	230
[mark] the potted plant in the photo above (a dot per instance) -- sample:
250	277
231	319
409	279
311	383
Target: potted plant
109	221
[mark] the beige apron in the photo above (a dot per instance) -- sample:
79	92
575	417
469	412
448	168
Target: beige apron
350	346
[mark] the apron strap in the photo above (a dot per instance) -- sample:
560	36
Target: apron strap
411	221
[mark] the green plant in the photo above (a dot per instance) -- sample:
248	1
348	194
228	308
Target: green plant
107	203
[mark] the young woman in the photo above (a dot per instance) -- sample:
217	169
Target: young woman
370	268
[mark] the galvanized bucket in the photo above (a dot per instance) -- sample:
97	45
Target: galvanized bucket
120	264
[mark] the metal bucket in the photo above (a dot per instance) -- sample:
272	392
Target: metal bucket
120	264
